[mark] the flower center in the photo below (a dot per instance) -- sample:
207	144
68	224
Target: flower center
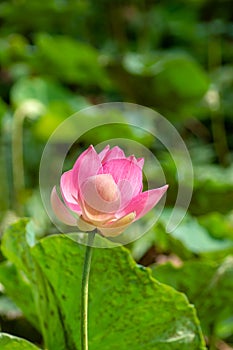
106	187
101	194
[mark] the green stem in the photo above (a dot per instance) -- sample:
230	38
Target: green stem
31	109
84	292
17	158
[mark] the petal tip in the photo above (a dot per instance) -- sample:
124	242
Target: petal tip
60	210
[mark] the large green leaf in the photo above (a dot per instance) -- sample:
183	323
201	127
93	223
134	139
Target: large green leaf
207	284
10	277
128	308
8	342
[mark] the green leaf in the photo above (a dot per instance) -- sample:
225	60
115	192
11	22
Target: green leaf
44	90
207	284
16	248
172	73
220	226
57	102
19	270
11	277
211	184
195	237
8	307
178	70
8	342
128	309
79	62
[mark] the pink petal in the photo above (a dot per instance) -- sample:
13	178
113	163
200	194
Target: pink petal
140	162
94	216
126	191
132	159
128	177
88	164
83	225
114	153
116	227
69	191
144	202
60	210
99	198
103	152
101	193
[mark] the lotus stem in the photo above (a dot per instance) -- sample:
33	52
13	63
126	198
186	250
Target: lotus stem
17	158
84	291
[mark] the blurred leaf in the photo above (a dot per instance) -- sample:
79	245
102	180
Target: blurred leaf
212	183
187	240
218	225
8	308
177	72
194	236
224	329
172	73
55	114
60	103
8	342
3	110
124	299
13	48
222	78
115	131
162	242
79	62
34	16
44	90
214	176
19	288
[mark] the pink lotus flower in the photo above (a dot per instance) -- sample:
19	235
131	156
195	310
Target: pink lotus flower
105	191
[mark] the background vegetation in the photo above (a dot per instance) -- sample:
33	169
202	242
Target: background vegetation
59	56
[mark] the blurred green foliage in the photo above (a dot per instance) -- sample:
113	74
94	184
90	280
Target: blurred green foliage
60	56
